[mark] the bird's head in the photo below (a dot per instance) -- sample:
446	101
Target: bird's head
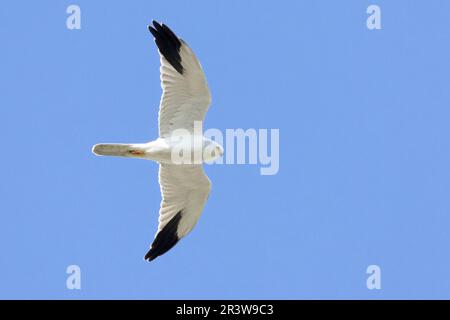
211	150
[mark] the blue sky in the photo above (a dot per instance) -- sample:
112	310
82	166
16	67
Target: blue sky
364	150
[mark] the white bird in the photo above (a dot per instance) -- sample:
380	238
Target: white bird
185	100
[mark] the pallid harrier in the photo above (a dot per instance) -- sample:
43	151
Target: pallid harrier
185	100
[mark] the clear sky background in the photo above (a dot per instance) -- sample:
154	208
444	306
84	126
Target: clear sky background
364	150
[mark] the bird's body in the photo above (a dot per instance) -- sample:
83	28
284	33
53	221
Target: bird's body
180	148
162	150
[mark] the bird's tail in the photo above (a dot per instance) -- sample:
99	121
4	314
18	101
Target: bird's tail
118	149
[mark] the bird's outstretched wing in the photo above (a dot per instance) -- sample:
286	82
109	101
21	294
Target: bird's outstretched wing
185	99
184	190
186	96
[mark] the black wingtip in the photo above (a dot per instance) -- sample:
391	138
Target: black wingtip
165	240
168	44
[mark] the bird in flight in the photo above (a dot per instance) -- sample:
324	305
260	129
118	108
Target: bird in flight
184	102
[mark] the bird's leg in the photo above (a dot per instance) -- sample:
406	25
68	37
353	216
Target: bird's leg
136	152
